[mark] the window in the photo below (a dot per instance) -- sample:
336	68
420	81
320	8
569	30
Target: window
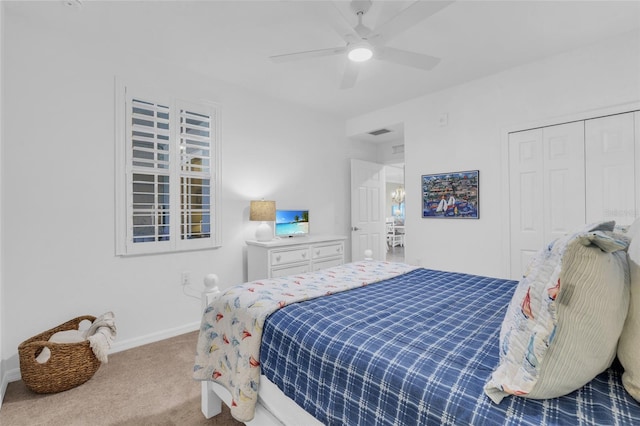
167	173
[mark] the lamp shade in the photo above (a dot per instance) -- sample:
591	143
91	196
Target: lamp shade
262	211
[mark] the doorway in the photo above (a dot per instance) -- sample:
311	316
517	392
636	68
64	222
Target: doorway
395	212
384	212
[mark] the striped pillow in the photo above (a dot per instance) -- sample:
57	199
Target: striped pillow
629	345
562	325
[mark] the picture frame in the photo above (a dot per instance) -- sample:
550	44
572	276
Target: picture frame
453	195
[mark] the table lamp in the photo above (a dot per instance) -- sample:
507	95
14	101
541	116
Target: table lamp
263	211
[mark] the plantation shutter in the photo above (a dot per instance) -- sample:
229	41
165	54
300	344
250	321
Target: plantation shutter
150	165
167	173
196	140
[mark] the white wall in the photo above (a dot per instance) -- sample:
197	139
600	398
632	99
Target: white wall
58	199
386	153
3	380
591	78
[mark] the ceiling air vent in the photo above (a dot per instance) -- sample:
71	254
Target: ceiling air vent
379	132
398	149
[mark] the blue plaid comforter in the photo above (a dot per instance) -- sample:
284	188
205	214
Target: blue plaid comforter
416	350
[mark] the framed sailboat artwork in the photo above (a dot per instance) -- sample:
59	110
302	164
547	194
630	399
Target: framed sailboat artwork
451	195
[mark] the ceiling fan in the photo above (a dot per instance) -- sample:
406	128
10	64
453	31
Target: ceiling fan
364	43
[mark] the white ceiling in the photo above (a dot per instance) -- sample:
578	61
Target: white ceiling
232	40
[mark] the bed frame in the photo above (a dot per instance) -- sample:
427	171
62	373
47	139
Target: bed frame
273	407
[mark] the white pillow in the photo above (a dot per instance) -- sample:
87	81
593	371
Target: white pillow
562	325
65	336
629	344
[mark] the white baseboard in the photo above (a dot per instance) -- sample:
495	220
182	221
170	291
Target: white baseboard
3	388
153	337
13	374
9	376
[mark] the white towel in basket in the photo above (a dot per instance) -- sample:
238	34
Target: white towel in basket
101	335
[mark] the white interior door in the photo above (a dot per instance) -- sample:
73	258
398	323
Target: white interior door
367	210
526	176
610	176
564	184
547	189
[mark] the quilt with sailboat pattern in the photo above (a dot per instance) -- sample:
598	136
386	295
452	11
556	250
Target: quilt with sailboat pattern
228	348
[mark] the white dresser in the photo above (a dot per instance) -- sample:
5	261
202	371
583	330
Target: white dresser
287	256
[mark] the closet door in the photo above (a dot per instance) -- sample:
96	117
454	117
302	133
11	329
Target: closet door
547	191
526	197
564	187
610	165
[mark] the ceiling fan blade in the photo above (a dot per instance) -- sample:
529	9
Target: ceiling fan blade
388	9
350	75
340	24
308	54
410	16
404	57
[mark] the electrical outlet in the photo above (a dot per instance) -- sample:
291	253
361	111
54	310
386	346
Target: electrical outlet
185	278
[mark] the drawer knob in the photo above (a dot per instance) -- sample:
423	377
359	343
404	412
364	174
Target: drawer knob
278	258
304	254
318	252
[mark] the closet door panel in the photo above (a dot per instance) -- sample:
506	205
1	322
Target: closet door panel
564	186
526	197
636	170
610	167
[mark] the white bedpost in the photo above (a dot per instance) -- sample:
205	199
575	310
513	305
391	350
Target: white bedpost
368	254
211	290
210	403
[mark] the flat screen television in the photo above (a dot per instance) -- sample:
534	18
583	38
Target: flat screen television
292	223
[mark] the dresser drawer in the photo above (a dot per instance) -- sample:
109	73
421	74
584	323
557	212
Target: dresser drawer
330	263
328	250
289	270
283	257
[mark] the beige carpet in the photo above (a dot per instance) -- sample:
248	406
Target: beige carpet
148	385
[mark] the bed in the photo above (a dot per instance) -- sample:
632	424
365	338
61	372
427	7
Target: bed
397	345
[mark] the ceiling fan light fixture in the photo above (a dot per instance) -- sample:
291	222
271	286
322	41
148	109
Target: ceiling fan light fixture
360	53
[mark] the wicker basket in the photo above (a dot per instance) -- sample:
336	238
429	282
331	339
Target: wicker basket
70	364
